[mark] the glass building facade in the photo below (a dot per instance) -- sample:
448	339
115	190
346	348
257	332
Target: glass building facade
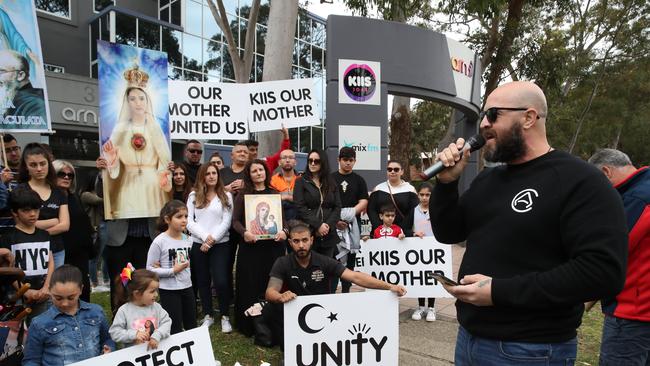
196	48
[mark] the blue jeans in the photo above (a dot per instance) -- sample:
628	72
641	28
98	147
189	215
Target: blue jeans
477	351
92	264
59	258
625	342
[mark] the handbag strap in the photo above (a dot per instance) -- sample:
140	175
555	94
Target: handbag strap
390	191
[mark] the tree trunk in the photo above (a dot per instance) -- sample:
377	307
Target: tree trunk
400	120
278	54
503	56
581	120
400	133
241	65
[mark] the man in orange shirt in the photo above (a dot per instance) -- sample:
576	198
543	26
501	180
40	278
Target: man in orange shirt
284	182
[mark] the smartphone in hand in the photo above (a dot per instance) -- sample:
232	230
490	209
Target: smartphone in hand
447	281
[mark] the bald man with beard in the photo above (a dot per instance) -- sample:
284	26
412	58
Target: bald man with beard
545	232
23	106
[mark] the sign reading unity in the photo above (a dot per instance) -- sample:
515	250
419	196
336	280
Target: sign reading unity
23	97
290	103
335	330
408	262
205	110
133	130
192	347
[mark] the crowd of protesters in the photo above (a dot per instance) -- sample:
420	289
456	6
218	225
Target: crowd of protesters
188	253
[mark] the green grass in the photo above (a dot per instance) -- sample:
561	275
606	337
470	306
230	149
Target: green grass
234	347
228	348
589	335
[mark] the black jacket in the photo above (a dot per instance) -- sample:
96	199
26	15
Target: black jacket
307	198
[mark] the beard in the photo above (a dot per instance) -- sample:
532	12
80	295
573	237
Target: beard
7	93
510	147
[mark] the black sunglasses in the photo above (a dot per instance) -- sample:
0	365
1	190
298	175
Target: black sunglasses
390	170
493	113
314	161
63	175
195	151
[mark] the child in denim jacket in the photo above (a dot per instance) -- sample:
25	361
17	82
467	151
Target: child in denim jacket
71	330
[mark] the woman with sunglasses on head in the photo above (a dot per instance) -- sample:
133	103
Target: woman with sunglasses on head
317	199
37	173
78	241
394	191
256	256
181	185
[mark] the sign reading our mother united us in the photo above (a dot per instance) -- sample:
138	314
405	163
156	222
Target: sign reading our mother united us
334	330
409	262
207	110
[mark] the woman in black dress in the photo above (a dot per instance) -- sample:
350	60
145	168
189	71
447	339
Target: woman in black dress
78	240
255	257
317	199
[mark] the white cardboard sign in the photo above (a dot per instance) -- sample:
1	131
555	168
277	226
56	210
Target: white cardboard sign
336	330
290	103
205	110
192	347
408	262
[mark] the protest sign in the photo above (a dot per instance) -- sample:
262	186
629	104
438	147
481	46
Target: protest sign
192	347
23	96
334	330
263	215
274	103
133	130
408	262
204	110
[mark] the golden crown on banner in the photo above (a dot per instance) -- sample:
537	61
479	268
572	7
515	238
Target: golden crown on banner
136	77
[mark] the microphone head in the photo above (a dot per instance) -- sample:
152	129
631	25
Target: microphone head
476	142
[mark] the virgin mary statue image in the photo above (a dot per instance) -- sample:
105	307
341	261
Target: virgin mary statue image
137	155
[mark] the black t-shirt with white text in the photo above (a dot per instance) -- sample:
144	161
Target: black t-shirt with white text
31	253
313	280
50	210
352	188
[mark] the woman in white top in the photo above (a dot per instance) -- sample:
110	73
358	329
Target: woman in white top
209	211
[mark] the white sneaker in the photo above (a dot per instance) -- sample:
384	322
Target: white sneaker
225	325
100	288
207	321
431	315
417	313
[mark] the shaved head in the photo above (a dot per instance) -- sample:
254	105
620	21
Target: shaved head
520	94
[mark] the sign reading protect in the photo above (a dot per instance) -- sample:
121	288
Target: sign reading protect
359	82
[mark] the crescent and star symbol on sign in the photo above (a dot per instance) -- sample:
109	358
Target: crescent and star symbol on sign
302	318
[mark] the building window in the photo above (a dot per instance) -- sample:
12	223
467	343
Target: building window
170	11
101	4
59	8
54	68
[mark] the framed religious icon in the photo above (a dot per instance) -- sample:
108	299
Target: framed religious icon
263	215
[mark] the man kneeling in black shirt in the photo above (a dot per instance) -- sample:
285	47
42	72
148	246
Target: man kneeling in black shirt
304	272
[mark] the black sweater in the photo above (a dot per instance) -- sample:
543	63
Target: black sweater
551	233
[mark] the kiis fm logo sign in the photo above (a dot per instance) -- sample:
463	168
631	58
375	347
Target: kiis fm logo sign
359	82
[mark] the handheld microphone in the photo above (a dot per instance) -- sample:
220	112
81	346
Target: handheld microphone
472	144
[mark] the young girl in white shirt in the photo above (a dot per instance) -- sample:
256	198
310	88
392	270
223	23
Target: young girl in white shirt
169	258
